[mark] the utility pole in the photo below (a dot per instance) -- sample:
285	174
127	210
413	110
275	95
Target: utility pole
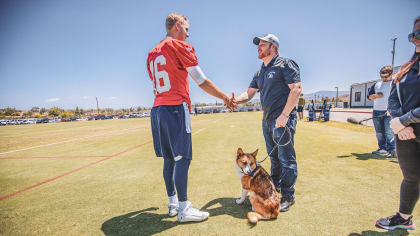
97	105
393	52
336	98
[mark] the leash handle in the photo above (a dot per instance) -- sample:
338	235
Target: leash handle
278	143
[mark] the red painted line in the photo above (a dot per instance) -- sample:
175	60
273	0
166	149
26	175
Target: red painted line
52	157
366	112
72	171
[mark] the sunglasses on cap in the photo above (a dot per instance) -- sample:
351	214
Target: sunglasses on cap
414	35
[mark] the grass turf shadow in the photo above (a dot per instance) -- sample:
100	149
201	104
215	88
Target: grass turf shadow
141	222
398	232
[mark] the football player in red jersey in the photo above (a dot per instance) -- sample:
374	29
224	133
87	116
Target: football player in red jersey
169	65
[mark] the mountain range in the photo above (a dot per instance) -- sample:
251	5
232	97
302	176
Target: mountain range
325	93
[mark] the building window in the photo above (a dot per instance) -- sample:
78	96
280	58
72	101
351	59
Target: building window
357	96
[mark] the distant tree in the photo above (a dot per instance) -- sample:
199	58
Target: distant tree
42	111
67	114
109	110
37	116
82	112
28	114
77	111
139	109
10	111
54	111
35	109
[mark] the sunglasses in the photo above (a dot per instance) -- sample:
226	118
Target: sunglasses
414	35
386	73
383	76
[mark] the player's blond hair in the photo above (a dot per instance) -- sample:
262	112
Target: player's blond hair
174	17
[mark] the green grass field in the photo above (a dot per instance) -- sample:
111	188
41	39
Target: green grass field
102	178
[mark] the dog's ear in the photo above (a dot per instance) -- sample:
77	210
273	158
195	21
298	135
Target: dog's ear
240	152
254	154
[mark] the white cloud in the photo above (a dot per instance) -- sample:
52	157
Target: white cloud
53	99
112	98
87	97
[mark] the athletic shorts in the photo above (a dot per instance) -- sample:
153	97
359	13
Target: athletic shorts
300	109
171	130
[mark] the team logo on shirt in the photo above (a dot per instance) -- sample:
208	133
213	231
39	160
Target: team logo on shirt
270	74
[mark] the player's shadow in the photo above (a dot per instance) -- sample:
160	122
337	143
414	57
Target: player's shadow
227	206
398	232
142	222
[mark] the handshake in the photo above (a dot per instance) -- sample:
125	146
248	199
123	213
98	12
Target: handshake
230	103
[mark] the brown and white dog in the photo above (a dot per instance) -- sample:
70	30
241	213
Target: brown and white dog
264	198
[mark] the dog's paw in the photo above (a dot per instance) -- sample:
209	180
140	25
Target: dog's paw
239	201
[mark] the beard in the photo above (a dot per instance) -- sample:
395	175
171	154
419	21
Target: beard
264	54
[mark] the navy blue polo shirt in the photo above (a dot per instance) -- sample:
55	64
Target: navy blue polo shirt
272	82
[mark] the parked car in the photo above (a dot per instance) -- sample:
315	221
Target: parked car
100	117
3	122
29	121
43	120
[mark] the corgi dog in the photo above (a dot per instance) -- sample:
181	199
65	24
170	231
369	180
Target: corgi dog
264	198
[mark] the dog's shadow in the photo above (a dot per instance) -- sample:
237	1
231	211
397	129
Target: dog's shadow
227	206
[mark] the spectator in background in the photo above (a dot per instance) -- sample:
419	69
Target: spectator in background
404	107
301	105
379	93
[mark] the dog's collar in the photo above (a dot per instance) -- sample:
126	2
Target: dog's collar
254	170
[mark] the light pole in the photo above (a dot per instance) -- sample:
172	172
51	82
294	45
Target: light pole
336	97
393	52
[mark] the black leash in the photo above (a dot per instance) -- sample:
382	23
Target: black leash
278	143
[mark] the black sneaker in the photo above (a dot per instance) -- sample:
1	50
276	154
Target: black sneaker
286	203
396	222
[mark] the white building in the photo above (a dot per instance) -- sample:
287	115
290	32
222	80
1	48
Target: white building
358	95
359	92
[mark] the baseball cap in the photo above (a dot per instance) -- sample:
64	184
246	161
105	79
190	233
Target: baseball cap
271	38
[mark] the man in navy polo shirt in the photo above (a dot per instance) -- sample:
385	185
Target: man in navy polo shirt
278	81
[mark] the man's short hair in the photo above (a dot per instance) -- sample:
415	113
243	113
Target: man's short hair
174	17
386	70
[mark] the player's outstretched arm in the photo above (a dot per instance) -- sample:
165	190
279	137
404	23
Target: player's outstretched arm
208	86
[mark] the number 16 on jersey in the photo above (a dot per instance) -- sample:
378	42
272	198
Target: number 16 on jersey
161	82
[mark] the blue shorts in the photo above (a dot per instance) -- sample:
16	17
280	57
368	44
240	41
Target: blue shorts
171	130
300	109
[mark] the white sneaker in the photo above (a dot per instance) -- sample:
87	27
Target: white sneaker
173	209
191	214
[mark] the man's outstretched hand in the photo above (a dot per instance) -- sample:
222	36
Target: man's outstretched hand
231	103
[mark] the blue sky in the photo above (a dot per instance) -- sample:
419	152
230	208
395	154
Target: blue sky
66	53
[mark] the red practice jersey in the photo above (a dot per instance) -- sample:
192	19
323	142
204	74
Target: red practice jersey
166	64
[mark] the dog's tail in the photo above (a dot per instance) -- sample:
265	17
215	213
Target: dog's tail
254	217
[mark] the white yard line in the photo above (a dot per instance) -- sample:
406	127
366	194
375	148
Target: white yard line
222	118
67	141
198	131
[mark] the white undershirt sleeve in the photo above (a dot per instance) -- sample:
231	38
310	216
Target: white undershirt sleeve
197	74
